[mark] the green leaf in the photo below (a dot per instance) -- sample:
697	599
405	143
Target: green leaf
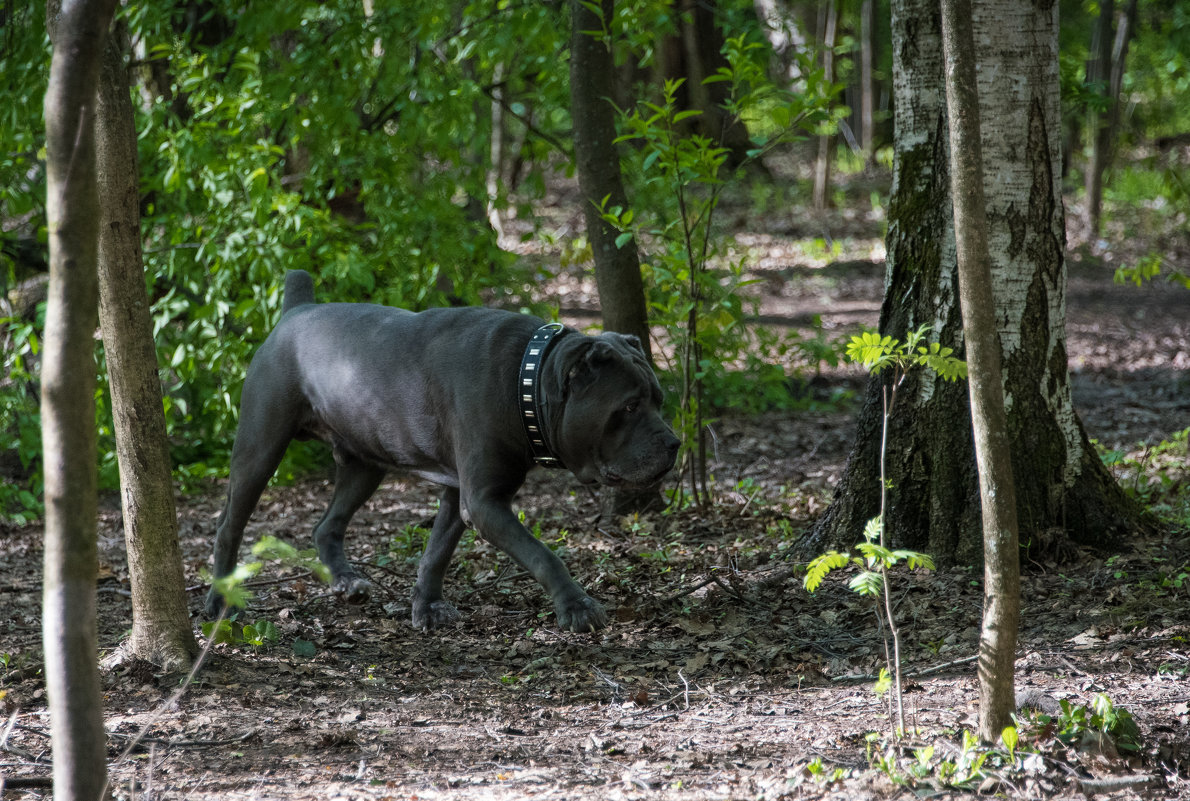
1010	738
303	648
867	583
883	683
820	566
874	528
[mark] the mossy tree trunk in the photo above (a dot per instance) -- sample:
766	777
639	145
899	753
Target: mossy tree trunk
1062	484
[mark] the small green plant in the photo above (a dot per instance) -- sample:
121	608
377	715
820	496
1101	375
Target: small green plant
1147	269
1156	475
226	630
232	586
681	176
1073	723
875	558
1010	738
407	544
818	772
934	765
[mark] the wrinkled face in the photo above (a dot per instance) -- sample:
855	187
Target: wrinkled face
611	430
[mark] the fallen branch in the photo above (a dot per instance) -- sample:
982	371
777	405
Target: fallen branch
1111	784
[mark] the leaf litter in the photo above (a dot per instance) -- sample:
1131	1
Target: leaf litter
719	676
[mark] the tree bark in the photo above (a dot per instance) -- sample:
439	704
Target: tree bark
702	43
1107	69
826	142
867	84
161	632
78	32
1098	70
993	455
617	269
1062	485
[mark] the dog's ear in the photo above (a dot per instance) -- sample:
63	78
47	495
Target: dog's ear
631	340
580	362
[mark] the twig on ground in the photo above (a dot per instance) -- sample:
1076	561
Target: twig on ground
729	589
256	582
912	675
169	702
689	590
154	741
1111	784
617	688
966	660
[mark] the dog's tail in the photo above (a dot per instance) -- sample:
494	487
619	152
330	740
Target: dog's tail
299	290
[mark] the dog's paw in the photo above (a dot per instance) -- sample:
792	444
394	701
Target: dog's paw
433	615
582	614
353	589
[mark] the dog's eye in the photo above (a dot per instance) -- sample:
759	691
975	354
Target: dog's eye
632	407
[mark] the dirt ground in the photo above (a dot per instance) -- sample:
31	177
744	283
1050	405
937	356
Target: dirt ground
719	677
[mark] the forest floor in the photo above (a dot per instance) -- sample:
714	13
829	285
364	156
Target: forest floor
719	676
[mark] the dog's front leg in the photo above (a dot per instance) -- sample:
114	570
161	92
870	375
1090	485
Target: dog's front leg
493	517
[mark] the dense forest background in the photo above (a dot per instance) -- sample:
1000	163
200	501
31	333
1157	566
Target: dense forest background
400	155
724	179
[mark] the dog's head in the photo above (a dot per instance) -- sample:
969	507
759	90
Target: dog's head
607	424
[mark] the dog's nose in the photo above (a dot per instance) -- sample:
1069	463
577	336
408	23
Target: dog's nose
672	443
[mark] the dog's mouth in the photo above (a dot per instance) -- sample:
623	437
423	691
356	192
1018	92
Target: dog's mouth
614	479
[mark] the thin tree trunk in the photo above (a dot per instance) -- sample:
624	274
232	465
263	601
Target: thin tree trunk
867	87
993	456
161	632
1098	72
78	33
496	151
1105	126
702	43
617	269
826	142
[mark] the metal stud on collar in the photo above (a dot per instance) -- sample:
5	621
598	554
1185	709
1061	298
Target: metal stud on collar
529	392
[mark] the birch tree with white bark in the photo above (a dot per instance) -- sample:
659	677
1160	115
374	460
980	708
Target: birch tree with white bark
1064	492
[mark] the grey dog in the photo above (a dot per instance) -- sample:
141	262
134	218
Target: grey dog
469	398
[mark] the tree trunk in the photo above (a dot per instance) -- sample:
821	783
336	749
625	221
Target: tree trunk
826	142
1062	484
617	269
702	43
993	455
161	632
867	85
1098	70
78	33
1104	126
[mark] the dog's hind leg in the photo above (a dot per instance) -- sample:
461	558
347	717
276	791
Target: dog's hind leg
430	609
355	482
257	451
